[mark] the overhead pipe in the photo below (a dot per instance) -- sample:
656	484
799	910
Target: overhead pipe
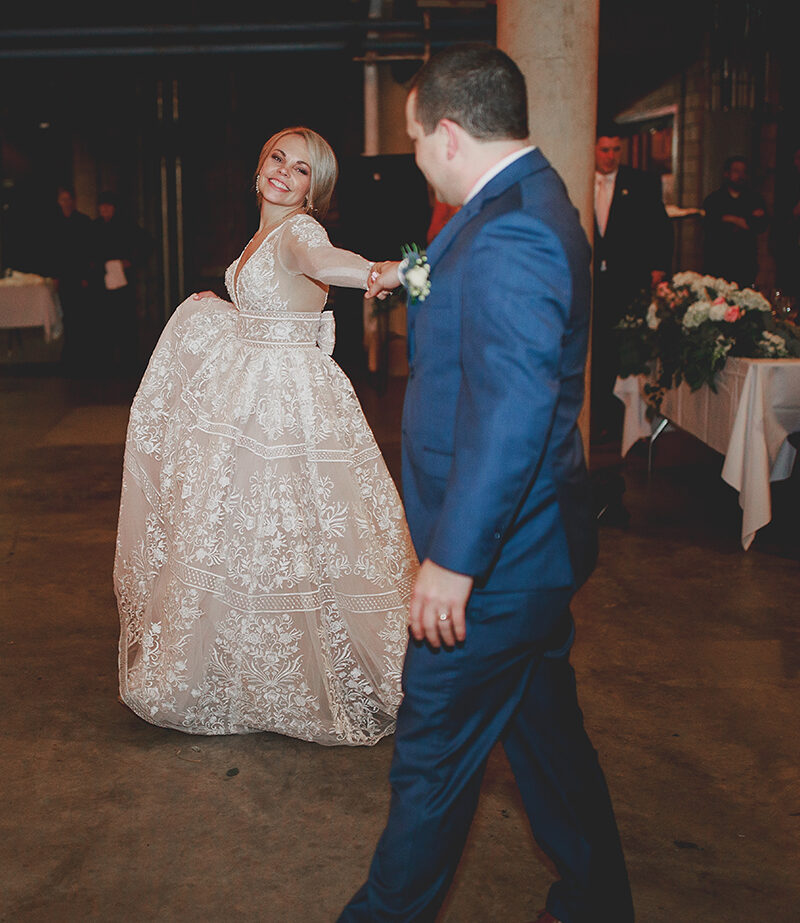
337	37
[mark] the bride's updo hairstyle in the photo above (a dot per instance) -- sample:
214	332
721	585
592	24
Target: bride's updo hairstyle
324	168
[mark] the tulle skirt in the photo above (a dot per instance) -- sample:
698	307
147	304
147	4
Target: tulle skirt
263	563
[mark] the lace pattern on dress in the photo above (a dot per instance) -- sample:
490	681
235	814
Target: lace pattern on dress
278	329
308	231
263	563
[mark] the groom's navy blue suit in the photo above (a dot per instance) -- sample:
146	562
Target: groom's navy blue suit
495	487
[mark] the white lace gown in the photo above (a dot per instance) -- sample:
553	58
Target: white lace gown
263	563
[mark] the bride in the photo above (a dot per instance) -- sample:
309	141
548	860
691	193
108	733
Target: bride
263	564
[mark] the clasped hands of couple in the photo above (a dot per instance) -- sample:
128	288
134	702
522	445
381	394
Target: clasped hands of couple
437	611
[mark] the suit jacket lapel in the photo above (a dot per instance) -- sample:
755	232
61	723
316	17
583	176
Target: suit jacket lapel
532	162
620	190
442	241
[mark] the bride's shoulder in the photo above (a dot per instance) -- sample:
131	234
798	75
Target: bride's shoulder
307	230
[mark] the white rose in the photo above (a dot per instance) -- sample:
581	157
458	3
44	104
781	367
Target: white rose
416	277
717	311
653	320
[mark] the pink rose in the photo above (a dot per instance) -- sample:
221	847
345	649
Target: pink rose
733	313
718	300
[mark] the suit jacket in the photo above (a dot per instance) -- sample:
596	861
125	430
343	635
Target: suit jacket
729	251
638	238
494	480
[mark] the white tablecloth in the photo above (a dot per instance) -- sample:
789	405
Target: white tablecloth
29	301
757	405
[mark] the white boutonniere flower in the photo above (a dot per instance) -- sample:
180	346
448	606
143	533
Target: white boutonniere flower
415	272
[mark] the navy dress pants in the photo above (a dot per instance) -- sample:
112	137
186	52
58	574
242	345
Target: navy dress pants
511	680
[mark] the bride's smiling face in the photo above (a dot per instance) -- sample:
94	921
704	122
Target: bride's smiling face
285	176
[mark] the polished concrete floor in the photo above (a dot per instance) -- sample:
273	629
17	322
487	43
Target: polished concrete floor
688	662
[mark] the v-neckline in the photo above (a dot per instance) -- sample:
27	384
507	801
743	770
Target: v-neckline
240	266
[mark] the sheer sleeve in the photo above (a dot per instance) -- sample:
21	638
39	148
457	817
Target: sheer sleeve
304	248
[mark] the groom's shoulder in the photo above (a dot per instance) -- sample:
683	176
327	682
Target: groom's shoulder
544	185
545	195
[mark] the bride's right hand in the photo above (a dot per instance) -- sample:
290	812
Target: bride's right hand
383	279
199	296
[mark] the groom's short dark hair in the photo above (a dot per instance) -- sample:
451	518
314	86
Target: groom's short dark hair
478	87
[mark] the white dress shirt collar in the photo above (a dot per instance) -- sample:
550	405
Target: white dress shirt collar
609	178
497	168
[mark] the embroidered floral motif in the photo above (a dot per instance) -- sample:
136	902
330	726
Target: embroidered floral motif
308	231
263	563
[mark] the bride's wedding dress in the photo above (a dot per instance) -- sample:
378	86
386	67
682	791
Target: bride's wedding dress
263	564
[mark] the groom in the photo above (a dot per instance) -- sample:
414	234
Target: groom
498	504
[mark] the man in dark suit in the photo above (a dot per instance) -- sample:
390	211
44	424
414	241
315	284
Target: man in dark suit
735	214
499	508
70	263
633	244
120	249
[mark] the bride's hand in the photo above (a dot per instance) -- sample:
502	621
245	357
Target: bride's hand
383	279
199	296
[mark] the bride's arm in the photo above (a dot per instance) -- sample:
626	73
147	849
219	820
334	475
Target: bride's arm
304	248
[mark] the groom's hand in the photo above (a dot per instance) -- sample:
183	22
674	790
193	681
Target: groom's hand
436	592
383	279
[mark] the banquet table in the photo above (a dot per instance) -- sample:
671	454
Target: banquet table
748	420
28	300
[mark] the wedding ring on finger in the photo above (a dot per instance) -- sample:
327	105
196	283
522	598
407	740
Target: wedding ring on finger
444	616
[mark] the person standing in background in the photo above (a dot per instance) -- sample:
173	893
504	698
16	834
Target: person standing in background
119	249
735	214
633	245
441	213
70	263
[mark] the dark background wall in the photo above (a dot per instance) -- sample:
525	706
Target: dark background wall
172	119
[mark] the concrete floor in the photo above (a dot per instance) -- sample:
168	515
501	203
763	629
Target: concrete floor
688	661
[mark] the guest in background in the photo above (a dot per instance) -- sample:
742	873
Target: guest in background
441	213
69	262
120	247
787	231
735	215
633	245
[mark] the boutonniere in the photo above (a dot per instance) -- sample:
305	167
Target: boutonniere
416	272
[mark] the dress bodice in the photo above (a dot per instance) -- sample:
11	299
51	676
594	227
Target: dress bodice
290	271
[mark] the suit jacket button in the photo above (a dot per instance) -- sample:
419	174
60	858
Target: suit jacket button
497	536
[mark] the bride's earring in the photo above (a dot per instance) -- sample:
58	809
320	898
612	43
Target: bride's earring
258	184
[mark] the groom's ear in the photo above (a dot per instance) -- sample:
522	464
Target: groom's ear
450	136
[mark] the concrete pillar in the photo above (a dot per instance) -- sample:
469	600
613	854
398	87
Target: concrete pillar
555	44
394	139
371	110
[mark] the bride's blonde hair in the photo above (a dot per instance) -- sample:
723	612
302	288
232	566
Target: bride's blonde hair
324	168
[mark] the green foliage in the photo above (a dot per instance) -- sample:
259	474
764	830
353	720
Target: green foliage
690	326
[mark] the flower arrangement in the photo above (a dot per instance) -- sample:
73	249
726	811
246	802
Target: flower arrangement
415	272
690	326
